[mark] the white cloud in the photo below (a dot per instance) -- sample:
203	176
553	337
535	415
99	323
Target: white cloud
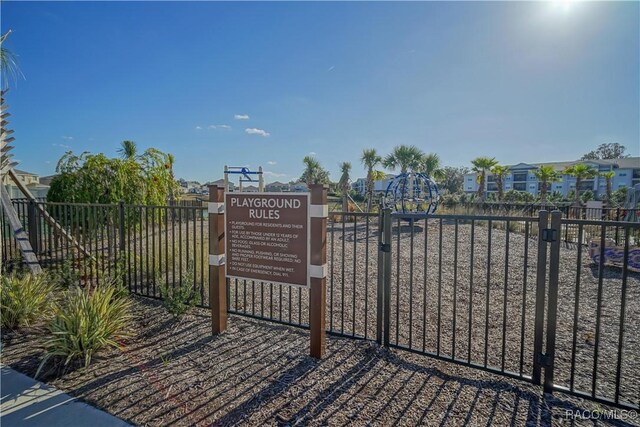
241	117
272	162
331	68
275	174
47	162
312	153
68	138
198	127
256	131
225	127
61	146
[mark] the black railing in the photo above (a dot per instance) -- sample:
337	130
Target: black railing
486	291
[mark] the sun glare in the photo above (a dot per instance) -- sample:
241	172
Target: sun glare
563	5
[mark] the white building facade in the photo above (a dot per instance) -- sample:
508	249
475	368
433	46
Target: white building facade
521	177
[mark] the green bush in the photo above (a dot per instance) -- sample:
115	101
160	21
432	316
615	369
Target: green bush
25	300
179	297
87	321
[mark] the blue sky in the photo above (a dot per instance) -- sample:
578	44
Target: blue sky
268	83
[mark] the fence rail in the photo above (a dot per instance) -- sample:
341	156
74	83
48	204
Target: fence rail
513	295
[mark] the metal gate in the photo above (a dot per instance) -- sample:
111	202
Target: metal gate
483	291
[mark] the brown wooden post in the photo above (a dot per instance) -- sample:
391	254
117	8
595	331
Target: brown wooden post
217	276
318	212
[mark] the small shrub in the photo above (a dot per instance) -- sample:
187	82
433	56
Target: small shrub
68	274
179	297
86	322
25	300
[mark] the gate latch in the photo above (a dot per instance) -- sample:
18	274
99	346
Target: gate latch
544	360
549	234
384	247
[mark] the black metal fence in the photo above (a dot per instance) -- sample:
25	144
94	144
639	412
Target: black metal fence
513	295
606	213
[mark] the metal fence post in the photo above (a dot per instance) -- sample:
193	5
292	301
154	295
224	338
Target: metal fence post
122	243
386	278
32	224
541	272
552	310
617	228
380	284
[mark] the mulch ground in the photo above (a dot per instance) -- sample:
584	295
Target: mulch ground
258	373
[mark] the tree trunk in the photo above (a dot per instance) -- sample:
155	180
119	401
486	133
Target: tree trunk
577	200
543	193
481	187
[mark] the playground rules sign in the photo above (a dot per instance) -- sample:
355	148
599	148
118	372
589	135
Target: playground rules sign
267	237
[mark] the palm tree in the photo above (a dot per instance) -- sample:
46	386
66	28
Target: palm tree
580	172
430	166
128	150
343	183
9	69
480	166
405	157
370	159
546	175
499	173
313	172
608	176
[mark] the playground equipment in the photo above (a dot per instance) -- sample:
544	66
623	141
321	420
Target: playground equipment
632	204
246	175
412	193
614	255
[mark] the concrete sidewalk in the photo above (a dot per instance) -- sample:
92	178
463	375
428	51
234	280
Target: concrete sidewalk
27	402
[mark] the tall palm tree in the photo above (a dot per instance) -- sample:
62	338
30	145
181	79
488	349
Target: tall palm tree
430	166
480	166
128	150
370	159
343	183
313	172
546	175
499	173
404	157
608	176
580	172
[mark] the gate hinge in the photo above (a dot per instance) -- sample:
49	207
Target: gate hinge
384	247
544	360
549	234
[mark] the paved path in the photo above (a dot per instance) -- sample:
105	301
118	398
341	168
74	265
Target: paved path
27	402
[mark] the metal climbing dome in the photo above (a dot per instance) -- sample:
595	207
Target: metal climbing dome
412	193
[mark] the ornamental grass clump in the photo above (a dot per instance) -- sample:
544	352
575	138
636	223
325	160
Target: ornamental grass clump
87	321
26	300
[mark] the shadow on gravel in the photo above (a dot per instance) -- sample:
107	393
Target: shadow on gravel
258	373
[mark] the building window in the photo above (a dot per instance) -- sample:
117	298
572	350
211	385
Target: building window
519	176
622	174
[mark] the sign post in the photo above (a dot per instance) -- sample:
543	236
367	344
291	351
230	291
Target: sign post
217	276
319	211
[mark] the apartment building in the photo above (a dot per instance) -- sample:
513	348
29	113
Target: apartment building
521	177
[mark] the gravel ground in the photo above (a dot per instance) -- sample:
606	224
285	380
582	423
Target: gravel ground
476	305
258	373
